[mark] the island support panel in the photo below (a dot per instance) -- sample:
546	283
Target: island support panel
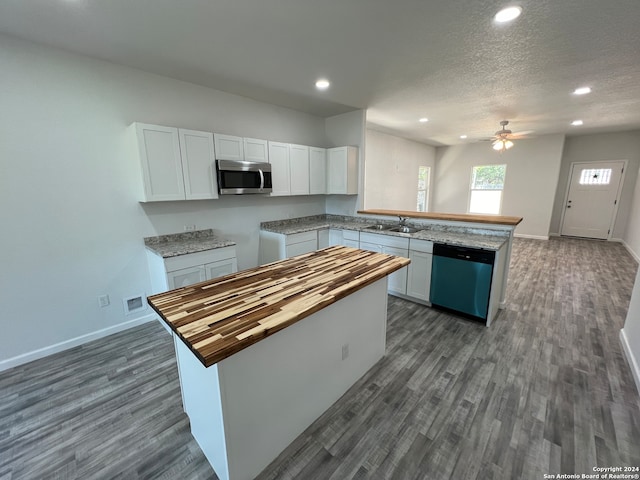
246	409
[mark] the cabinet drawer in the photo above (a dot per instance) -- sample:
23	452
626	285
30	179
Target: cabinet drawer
199	258
301	237
385	240
421	245
351	235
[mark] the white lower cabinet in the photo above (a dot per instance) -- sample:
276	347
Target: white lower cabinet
323	238
277	246
300	243
185	277
351	238
392	245
419	273
184	270
188	276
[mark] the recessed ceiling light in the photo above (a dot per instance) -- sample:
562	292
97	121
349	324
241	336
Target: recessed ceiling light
508	14
463	136
322	84
577	123
582	91
423	120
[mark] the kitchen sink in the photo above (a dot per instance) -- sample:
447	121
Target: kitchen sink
404	229
379	226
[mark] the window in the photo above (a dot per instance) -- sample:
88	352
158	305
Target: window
423	188
487	183
595	176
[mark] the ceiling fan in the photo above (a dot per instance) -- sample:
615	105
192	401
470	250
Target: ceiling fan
502	139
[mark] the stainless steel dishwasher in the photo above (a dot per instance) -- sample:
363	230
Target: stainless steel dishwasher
461	280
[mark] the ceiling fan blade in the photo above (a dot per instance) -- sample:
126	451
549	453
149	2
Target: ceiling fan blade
521	134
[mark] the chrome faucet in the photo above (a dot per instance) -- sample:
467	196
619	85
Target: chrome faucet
402	221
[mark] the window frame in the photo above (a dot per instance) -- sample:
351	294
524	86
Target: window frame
471	189
426	189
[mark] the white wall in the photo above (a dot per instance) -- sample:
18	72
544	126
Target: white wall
72	226
391	171
631	332
530	184
598	148
632	232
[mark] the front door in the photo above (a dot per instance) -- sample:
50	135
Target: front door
591	202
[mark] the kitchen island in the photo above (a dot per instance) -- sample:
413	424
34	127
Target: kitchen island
248	391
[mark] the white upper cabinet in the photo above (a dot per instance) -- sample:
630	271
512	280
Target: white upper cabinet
176	164
255	150
279	160
228	147
317	171
198	167
299	169
342	170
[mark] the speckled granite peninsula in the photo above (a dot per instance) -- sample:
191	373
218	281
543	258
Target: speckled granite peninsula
468	236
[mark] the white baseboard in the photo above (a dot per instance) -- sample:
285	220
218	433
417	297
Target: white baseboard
73	342
633	362
631	252
534	237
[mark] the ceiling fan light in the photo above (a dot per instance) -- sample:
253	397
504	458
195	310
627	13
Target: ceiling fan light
502	144
508	14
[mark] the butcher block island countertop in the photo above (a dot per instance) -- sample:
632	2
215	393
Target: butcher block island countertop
220	317
453	217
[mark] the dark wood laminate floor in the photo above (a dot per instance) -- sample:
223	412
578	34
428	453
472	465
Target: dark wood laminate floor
546	389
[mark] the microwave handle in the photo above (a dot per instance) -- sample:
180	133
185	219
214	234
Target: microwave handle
261	179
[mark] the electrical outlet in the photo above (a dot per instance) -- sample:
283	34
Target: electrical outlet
345	351
189	228
103	301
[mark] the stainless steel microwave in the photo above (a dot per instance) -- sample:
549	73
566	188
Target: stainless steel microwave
237	177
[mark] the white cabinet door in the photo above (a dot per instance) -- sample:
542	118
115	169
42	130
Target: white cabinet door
185	277
398	279
335	237
220	268
198	166
279	160
372	247
299	243
302	247
299	169
342	170
419	275
228	147
255	150
159	153
323	238
317	171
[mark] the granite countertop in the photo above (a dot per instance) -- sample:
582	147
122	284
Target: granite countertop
220	317
459	236
184	243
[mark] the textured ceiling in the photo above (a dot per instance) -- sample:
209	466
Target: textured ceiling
401	60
